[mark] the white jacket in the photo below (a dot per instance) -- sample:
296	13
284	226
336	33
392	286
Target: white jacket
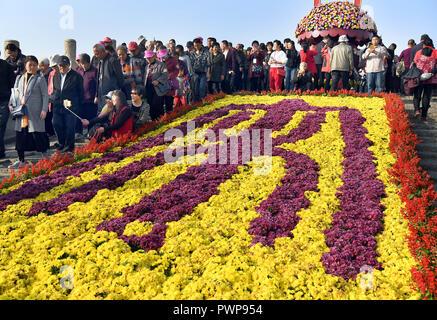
375	60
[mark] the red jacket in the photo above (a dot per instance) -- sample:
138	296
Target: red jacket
326	56
308	57
127	126
426	65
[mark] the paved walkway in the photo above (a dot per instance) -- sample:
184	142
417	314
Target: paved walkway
30	157
426	131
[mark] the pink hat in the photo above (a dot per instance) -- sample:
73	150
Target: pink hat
162	53
200	38
149	54
102	43
78	57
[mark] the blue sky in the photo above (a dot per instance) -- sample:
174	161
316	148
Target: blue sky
36	24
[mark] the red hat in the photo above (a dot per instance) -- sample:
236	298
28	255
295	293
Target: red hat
133	46
107	39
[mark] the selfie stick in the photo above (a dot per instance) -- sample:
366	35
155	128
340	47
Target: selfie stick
73	113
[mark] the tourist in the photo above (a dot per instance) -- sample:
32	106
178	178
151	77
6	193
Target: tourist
7	81
173	65
389	68
277	62
150	45
109	76
218	70
209	43
133	68
304	79
142	46
342	63
120	118
307	55
44	71
54	60
406	55
228	83
427	65
255	60
200	60
374	56
318	81
31	91
231	65
183	90
140	108
293	62
68	93
268	53
156	83
172	48
44	68
89	75
110	50
418	46
326	65
240	61
183	56
190	47
15	58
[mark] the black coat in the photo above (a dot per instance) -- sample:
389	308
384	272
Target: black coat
293	59
7	80
218	67
72	90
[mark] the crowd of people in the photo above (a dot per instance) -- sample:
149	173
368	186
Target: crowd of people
119	89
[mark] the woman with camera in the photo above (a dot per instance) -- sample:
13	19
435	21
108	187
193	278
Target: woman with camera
29	104
117	121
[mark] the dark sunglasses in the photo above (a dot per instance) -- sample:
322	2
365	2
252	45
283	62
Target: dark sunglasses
135	93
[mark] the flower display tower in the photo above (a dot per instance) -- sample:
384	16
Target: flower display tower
335	19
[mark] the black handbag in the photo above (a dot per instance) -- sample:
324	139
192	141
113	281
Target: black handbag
413	73
18	112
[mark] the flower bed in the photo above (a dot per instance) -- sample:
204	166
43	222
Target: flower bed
127	224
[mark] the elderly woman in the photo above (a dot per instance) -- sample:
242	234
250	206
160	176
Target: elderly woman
30	89
156	83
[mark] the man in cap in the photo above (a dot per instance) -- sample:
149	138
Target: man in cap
142	45
109	77
7	80
67	94
342	63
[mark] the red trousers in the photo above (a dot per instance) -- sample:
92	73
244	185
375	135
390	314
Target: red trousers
180	101
276	80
